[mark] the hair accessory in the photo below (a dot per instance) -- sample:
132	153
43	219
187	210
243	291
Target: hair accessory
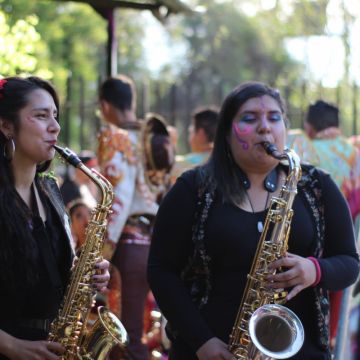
2	83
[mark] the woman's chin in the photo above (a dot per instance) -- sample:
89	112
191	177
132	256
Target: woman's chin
51	153
48	155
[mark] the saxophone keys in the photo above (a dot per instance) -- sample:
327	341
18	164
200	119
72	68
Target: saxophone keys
68	330
280	297
255	305
244	341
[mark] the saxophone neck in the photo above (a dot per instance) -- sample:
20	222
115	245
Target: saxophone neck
272	150
102	183
289	155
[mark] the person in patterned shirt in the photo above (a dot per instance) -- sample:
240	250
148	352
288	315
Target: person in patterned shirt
335	152
201	134
121	160
341	160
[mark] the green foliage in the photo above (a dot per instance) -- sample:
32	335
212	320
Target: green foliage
227	46
71	51
130	54
20	45
308	17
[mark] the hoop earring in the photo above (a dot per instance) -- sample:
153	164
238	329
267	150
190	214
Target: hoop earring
9	149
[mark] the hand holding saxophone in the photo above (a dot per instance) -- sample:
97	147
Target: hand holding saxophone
19	349
214	349
300	273
32	350
102	276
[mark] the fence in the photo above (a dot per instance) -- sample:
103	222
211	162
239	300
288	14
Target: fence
81	117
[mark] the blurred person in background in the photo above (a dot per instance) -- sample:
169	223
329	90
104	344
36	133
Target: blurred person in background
341	159
80	215
124	155
335	152
299	141
201	134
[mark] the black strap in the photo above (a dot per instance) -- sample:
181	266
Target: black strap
46	250
270	182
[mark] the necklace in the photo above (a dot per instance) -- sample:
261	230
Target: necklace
260	225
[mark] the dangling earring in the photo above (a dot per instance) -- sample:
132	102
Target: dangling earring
9	149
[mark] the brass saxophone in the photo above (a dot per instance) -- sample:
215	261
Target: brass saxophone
69	328
264	329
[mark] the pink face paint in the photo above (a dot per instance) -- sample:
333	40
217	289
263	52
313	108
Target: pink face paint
238	133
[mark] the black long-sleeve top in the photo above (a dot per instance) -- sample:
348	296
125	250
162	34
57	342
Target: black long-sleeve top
39	300
231	238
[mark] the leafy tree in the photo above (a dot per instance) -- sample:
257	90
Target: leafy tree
73	38
226	47
20	45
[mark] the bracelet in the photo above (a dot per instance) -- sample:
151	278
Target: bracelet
318	270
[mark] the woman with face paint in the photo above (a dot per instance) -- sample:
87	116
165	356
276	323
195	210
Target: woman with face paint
209	225
35	251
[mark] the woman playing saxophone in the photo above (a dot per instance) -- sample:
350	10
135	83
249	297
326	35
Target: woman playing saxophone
210	223
36	255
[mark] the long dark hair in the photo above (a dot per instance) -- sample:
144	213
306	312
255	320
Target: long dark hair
221	169
17	255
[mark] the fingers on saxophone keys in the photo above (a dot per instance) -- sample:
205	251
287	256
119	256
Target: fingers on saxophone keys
99	286
101	275
100	279
284	262
102	264
281	280
294	292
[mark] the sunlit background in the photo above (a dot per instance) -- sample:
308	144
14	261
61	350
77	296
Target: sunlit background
308	49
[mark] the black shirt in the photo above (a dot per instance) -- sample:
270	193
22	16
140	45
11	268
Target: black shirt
40	300
231	238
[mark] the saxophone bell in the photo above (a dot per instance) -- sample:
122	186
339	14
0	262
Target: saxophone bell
106	332
276	331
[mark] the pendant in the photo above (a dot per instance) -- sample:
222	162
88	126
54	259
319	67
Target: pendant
260	226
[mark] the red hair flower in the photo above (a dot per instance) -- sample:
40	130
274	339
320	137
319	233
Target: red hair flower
2	83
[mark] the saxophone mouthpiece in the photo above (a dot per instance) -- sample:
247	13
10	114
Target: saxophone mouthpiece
68	155
272	150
